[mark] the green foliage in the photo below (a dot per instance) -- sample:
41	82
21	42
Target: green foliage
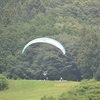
22	21
97	75
87	90
48	98
88	54
3	82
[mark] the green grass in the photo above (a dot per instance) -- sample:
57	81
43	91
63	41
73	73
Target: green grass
34	89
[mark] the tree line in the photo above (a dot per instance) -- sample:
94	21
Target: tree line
74	23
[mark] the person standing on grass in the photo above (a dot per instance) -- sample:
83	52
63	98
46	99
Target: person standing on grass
61	78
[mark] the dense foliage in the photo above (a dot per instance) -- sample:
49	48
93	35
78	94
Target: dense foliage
3	82
74	23
87	90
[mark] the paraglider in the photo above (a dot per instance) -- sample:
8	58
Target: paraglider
46	40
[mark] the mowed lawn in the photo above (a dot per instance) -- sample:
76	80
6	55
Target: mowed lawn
34	89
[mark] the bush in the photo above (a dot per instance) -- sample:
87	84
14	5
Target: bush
3	82
87	90
48	98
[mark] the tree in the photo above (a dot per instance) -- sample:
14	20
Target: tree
88	54
3	82
97	74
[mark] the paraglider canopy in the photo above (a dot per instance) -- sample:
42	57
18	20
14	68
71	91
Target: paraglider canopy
46	40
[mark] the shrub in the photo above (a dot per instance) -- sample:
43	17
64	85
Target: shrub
87	90
3	82
48	98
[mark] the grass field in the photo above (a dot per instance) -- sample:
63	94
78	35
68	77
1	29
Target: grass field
34	89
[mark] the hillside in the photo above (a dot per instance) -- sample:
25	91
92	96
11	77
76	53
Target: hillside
86	90
57	90
33	89
74	23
